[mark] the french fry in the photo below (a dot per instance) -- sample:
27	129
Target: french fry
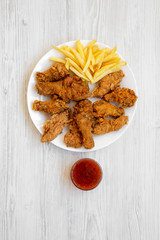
90	44
78	74
88	74
67	65
78	57
101	60
88	60
113	60
80	49
111	54
103	69
91	68
65	48
99	57
95	48
75	65
67	53
55	59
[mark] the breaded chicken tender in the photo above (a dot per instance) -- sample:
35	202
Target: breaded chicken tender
54	126
83	115
125	97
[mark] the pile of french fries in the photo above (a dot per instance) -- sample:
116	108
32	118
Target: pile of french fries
90	63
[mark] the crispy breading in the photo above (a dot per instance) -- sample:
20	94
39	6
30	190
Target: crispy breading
56	72
108	84
105	125
52	106
125	97
83	115
74	137
71	88
54	126
104	109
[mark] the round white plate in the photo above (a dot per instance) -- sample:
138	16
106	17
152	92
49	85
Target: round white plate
39	118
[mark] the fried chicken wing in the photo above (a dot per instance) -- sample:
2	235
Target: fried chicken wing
105	125
54	126
74	137
104	109
52	106
108	84
71	88
83	115
125	97
56	72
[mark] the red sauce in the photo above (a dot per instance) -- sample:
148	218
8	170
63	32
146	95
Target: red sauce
86	174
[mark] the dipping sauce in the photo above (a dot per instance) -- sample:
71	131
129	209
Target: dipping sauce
86	174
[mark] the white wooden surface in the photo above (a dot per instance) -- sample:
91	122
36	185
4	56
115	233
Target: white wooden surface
37	199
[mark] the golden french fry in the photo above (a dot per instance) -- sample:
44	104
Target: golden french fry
80	49
74	64
91	68
67	65
90	44
97	53
88	60
55	59
99	56
111	54
100	61
88	74
78	74
113	60
95	48
65	48
78	57
67	53
103	69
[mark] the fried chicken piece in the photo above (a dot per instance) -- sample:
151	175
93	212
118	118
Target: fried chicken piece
52	106
125	97
54	126
74	137
56	72
108	84
104	109
105	125
71	88
83	115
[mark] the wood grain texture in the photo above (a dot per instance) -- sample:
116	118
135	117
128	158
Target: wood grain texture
37	199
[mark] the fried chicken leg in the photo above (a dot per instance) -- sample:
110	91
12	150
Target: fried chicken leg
71	88
52	106
125	97
104	109
105	126
108	84
56	72
54	126
84	118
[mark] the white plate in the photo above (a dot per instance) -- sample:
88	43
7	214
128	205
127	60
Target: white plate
39	118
